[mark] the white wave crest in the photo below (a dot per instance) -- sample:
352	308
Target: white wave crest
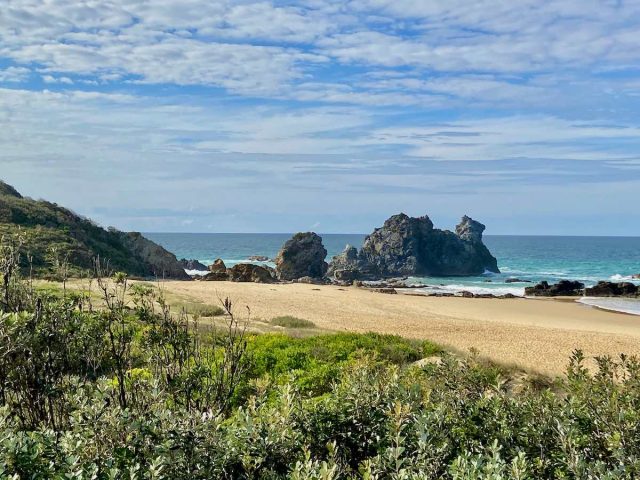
623	278
193	273
623	305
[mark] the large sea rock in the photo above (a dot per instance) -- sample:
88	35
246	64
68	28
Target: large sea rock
406	246
302	255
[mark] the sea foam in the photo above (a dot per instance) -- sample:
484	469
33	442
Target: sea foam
622	305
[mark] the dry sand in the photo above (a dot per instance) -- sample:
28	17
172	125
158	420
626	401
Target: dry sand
535	334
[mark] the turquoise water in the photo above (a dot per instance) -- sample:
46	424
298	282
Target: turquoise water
532	258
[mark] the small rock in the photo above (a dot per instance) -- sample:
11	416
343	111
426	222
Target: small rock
391	291
258	258
218	266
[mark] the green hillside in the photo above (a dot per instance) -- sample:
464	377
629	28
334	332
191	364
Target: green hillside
49	231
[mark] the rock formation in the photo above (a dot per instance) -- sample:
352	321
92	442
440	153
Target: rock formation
301	256
564	288
6	189
193	265
248	272
163	263
611	289
241	272
258	258
411	246
217	271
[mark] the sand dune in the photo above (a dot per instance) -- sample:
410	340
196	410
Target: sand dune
536	334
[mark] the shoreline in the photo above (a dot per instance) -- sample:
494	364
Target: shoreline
537	334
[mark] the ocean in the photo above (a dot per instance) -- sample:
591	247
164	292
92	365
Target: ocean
529	258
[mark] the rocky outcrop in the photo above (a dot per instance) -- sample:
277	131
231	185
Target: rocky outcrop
411	246
241	272
564	288
249	272
193	265
162	263
611	289
6	189
218	266
301	256
516	280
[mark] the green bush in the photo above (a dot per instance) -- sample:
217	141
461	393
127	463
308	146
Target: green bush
204	310
288	321
129	391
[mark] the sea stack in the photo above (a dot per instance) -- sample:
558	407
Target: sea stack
410	246
302	255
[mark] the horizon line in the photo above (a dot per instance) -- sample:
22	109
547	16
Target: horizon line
365	234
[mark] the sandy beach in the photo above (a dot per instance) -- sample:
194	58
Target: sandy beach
535	334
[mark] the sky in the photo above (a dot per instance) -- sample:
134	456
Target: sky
258	116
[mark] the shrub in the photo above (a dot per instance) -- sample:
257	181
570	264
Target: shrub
288	321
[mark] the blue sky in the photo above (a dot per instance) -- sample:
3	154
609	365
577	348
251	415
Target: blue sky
216	116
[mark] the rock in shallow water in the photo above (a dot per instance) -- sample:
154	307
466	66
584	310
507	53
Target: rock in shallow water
564	288
611	289
193	265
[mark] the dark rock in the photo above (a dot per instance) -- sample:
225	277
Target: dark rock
214	277
218	266
407	246
248	272
311	280
6	189
611	289
258	258
516	280
217	272
193	265
564	288
346	275
163	263
348	265
301	256
387	290
636	276
466	294
508	295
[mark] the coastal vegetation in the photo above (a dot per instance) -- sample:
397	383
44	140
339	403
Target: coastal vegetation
51	235
126	387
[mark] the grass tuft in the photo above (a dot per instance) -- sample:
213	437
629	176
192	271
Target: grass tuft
288	321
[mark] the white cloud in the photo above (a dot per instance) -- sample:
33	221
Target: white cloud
537	137
14	74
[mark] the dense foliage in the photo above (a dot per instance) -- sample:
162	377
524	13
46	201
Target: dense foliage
127	389
50	234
